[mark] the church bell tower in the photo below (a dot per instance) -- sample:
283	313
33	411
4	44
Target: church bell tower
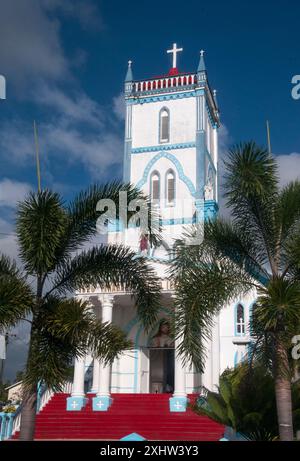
171	141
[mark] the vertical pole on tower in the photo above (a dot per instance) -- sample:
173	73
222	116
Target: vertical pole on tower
38	170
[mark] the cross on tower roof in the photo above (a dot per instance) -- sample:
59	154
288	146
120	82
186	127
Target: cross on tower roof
174	51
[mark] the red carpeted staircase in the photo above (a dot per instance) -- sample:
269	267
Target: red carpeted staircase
145	414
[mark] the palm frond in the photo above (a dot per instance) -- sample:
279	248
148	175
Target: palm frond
83	213
41	224
16	297
109	267
64	329
251	190
202	289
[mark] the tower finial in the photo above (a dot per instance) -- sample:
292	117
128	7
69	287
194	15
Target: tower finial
201	66
129	76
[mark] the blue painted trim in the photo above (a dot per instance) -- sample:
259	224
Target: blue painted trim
134	437
178	167
76	403
178	404
166	97
211	209
183	145
101	403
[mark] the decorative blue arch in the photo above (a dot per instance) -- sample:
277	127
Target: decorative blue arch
177	165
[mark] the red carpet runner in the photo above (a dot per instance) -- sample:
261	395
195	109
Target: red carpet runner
146	414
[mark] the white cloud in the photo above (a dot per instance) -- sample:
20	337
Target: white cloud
84	11
30	47
119	106
96	152
289	167
79	108
12	191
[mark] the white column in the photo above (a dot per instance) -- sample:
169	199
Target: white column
78	382
77	400
179	375
103	400
215	157
178	402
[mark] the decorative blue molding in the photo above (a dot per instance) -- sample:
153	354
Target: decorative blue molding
165	97
178	166
184	145
211	209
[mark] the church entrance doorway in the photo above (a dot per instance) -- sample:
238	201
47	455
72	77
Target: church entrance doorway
162	361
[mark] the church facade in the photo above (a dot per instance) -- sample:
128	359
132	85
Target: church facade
171	154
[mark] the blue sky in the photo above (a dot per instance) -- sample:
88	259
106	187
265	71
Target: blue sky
65	62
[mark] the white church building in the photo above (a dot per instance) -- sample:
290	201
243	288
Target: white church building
171	154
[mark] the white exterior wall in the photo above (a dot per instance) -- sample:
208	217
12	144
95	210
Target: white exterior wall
145	122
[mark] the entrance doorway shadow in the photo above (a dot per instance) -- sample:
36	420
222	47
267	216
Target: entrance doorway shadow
162	361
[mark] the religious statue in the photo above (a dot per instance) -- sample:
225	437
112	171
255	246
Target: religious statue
208	192
163	336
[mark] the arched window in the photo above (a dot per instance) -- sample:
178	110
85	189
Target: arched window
154	85
155	186
164	125
239	320
170	187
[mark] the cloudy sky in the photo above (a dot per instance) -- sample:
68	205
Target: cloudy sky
65	62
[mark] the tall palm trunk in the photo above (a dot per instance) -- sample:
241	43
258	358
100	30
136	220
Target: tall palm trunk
28	415
283	393
29	404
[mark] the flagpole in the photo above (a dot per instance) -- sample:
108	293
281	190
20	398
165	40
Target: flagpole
38	171
269	137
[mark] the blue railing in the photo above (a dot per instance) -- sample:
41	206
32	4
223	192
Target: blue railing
7	419
6	424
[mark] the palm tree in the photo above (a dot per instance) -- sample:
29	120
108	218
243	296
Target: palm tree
259	249
51	239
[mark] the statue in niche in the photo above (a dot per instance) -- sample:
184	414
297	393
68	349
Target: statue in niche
163	337
209	188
